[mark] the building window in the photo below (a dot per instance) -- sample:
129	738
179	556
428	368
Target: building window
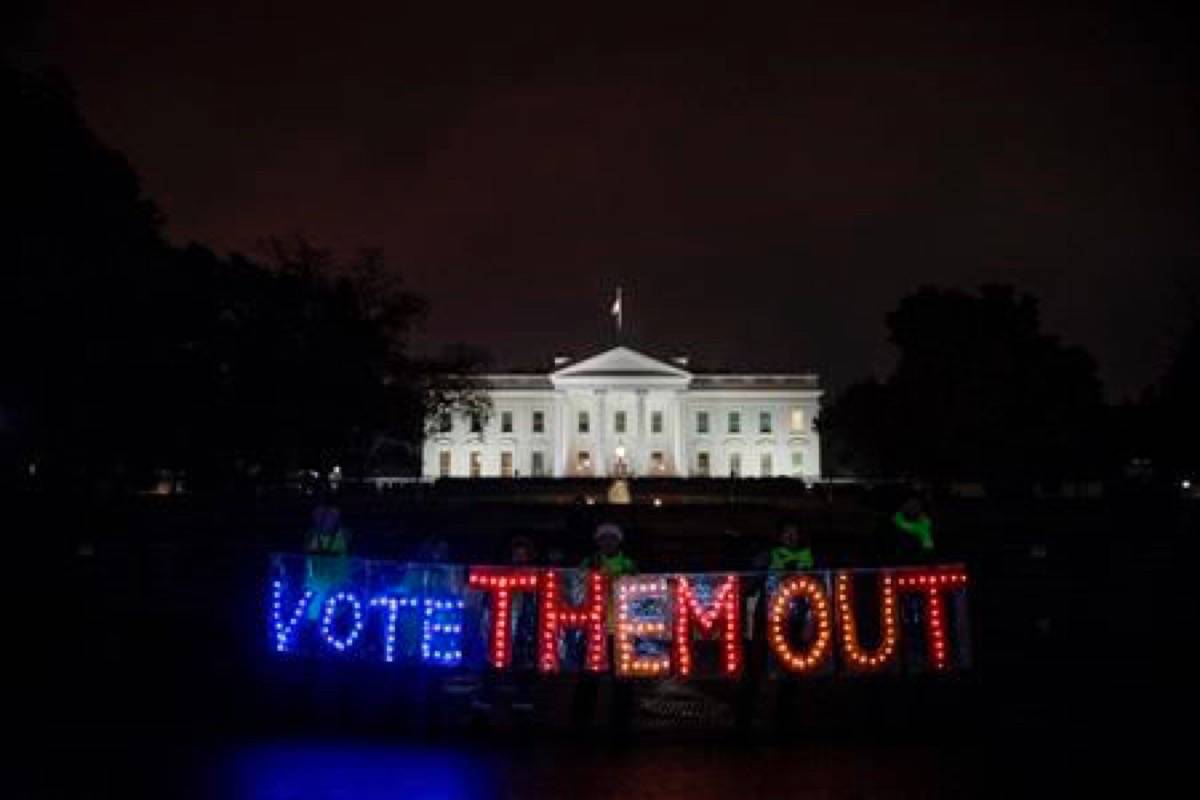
584	461
735	465
735	422
797	463
702	464
619	422
444	464
476	463
702	422
476	423
656	422
506	422
584	422
506	469
764	422
445	423
537	466
658	462
797	420
764	465
539	422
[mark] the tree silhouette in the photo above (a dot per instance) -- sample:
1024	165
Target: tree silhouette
123	354
978	392
1172	412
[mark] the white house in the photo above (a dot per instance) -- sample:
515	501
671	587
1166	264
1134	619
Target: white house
623	413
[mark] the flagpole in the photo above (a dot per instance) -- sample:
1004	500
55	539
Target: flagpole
618	311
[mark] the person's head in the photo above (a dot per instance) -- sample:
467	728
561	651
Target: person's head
791	534
608	538
434	550
913	507
521	550
326	519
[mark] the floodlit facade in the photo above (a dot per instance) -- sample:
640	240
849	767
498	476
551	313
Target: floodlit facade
624	414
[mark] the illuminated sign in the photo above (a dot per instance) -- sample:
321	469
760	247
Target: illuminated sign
685	625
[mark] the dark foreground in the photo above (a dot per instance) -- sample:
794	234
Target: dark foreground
139	669
1063	762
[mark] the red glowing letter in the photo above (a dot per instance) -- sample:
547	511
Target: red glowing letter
778	611
501	584
885	652
932	583
555	615
727	606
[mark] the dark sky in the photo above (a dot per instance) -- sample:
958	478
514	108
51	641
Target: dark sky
765	186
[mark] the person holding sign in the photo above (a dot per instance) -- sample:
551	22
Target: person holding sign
794	550
912	531
609	557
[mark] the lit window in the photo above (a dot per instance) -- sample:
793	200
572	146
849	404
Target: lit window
656	420
506	464
797	420
506	422
537	466
658	462
445	423
764	465
584	422
476	463
797	463
735	465
764	422
735	422
619	422
702	422
584	461
444	464
539	422
702	464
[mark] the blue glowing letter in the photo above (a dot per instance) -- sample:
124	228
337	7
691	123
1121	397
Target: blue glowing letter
327	620
283	632
443	619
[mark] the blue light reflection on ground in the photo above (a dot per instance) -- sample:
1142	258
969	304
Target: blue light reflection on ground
332	771
363	771
332	768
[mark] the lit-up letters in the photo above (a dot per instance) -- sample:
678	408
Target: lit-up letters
861	622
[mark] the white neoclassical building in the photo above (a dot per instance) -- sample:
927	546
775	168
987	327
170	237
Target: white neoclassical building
623	413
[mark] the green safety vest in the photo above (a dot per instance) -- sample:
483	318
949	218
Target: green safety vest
783	558
328	544
612	566
921	528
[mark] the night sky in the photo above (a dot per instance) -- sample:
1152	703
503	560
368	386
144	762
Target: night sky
764	186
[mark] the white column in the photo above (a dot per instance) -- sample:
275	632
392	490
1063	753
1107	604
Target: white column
681	468
562	409
638	457
600	457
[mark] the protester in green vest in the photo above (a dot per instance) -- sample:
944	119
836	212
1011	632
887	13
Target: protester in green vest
794	548
327	544
914	528
326	536
610	560
608	557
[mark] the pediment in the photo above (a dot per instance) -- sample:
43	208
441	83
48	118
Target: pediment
621	363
